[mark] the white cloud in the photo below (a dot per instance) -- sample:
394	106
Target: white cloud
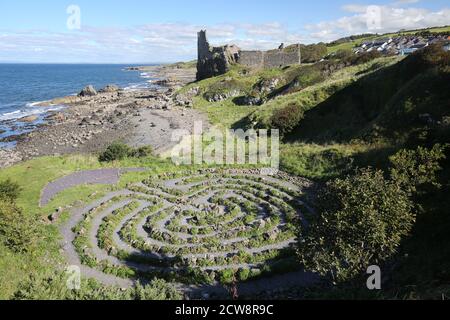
160	42
391	18
156	42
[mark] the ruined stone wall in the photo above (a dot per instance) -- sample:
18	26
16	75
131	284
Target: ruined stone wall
253	59
214	61
270	59
281	58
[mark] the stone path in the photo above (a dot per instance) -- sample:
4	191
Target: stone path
100	176
191	194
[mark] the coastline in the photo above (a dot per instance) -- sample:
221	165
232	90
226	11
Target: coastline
89	124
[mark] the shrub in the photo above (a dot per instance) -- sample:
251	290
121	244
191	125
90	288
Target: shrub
365	57
227	276
19	232
414	168
120	151
344	54
244	274
116	151
54	287
9	191
287	118
433	55
158	289
141	152
360	221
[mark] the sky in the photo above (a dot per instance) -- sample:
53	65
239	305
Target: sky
148	31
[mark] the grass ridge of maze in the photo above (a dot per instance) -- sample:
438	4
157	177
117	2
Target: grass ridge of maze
193	227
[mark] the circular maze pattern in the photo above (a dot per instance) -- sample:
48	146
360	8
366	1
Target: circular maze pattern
194	227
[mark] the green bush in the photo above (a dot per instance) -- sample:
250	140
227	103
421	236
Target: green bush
286	119
244	274
227	276
158	289
360	221
414	168
433	55
116	151
141	152
120	151
54	287
364	57
344	54
19	232
9	191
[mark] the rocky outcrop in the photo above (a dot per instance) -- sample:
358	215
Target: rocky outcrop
89	91
266	86
29	119
109	88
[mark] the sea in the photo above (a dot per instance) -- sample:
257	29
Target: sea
23	86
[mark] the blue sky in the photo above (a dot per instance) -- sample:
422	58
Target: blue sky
159	31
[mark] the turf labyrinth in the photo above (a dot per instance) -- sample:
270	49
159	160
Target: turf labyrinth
194	227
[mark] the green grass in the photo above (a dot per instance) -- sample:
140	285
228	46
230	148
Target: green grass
227	114
33	176
318	162
311	96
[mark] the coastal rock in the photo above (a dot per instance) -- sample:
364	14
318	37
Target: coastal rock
89	91
9	157
29	119
63	100
109	88
57	117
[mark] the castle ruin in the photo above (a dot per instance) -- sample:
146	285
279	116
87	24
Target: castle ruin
214	61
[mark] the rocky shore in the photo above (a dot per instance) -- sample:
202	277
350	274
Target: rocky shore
94	119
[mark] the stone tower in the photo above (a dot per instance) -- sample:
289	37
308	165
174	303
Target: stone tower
202	45
213	61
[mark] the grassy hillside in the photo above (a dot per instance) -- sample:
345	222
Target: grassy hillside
355	116
401	106
405	102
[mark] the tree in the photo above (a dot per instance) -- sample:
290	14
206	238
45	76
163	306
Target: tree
361	220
